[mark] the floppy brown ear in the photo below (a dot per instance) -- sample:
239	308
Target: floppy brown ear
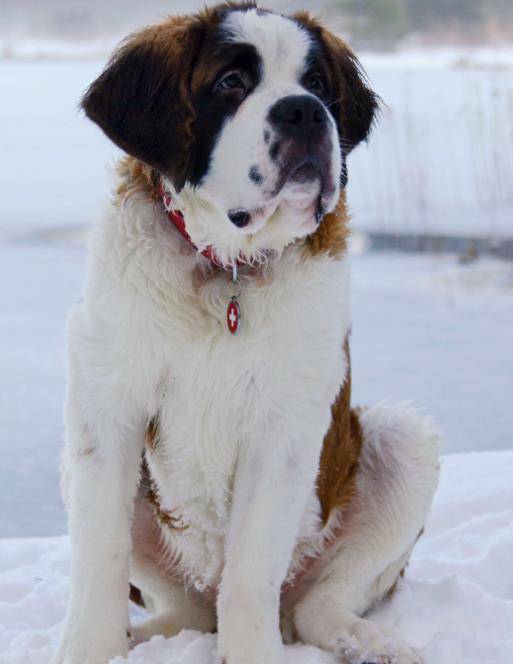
358	104
142	99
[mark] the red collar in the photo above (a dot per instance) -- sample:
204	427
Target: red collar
177	219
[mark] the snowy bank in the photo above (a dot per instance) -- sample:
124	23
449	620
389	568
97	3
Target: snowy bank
455	603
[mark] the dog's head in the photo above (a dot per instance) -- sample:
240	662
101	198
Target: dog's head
247	114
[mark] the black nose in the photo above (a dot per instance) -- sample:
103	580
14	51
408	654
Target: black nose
299	116
240	218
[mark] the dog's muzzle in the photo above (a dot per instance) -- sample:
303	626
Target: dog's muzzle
302	148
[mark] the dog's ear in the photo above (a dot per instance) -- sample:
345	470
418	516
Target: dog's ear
355	105
142	98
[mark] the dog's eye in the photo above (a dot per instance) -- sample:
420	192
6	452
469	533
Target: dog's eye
315	84
233	81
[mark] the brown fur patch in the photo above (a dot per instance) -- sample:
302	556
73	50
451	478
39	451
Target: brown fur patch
150	491
391	592
332	234
151	437
136	176
393	589
86	451
336	482
142	98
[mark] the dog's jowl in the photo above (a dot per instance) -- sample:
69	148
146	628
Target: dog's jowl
221	476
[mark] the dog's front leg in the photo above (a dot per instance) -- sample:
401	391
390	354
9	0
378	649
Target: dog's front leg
102	466
274	479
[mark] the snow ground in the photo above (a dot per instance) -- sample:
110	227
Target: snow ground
455	602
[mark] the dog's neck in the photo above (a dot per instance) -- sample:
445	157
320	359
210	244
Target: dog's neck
329	239
177	219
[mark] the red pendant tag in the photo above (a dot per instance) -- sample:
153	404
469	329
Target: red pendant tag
233	315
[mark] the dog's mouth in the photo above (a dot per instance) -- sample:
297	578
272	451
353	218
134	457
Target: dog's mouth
303	184
305	172
301	176
307	184
306	187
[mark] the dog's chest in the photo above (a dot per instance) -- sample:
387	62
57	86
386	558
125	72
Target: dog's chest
202	422
219	394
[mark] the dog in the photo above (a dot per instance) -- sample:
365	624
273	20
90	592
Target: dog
213	468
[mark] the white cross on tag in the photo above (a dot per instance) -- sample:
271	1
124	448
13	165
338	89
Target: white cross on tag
233	315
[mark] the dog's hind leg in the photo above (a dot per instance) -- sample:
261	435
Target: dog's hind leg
397	477
171	606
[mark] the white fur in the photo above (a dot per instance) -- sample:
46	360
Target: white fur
241	419
242	422
144	340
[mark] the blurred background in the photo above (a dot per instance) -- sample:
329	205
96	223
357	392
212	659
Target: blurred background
431	196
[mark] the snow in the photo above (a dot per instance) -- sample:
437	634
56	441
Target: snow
436	59
55	49
455	602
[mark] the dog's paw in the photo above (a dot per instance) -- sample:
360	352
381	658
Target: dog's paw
351	651
368	643
238	643
157	625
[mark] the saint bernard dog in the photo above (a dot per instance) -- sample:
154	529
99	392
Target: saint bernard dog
214	470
